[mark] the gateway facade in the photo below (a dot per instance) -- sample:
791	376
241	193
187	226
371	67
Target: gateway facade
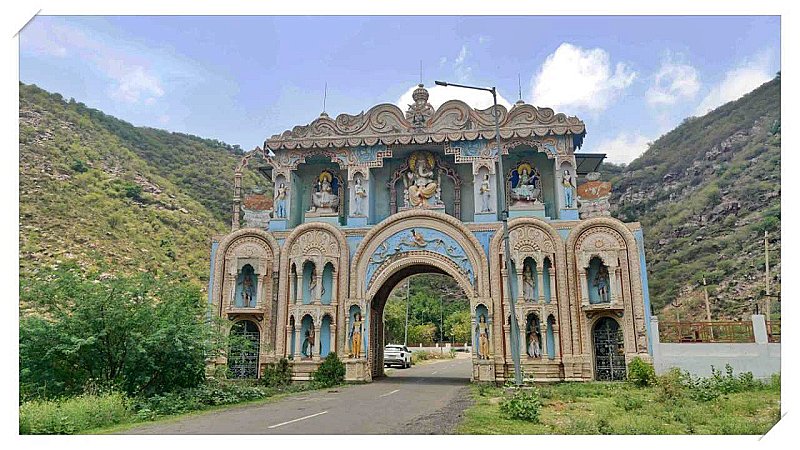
360	202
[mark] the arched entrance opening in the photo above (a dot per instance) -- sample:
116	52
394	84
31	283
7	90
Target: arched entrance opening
609	350
243	354
440	296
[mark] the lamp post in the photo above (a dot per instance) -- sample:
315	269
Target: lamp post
502	209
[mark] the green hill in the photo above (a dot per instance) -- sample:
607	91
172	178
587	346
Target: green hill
705	193
107	195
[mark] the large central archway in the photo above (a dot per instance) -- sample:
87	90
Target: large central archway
409	243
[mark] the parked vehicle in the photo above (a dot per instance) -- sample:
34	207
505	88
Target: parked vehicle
394	354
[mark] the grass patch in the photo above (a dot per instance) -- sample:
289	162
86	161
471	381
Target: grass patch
425	355
624	408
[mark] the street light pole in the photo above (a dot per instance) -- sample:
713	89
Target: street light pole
503	210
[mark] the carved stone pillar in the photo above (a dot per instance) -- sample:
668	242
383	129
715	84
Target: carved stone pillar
507	332
293	287
553	287
318	290
520	285
297	337
584	286
316	349
616	298
556	340
543	331
332	339
288	335
540	280
335	287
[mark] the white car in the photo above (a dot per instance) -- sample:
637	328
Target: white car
397	354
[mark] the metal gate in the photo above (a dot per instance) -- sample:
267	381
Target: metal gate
243	361
609	351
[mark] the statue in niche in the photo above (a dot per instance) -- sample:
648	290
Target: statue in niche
324	199
360	196
312	283
280	201
483	338
421	186
308	343
526	185
527	283
569	189
355	335
601	283
485	192
534	347
248	291
421	110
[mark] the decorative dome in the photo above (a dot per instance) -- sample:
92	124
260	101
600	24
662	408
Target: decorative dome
420	93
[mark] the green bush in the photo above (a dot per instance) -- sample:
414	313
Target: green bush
671	386
277	374
641	373
523	405
73	415
330	372
628	402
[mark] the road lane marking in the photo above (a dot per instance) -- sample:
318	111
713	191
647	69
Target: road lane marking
389	393
296	420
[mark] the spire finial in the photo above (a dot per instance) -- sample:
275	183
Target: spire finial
519	85
420	71
324	99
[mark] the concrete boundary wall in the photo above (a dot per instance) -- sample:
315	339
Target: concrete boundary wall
761	358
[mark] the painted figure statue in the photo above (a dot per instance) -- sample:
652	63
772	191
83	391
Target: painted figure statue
528	284
569	189
280	202
483	338
529	185
601	283
534	349
248	291
420	183
360	196
355	336
324	199
308	343
486	192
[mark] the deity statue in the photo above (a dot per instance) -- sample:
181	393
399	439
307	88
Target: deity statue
485	192
312	283
527	284
534	349
308	343
421	110
248	294
529	185
324	200
483	338
355	335
419	181
280	201
569	189
360	196
601	283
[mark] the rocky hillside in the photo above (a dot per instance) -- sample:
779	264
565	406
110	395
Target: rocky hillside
705	193
110	196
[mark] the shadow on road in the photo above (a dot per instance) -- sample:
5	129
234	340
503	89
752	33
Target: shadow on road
424	380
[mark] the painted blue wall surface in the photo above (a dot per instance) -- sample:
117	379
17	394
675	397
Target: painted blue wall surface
247	271
639	236
352	244
308	296
327	284
484	237
551	340
325	339
307	324
546	281
563	233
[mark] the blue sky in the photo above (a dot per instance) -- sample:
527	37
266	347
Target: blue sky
243	79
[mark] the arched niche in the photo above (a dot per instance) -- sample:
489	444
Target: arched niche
325	336
551	337
327	283
309	282
293	331
599	281
533	336
355	333
307	337
246	288
482	331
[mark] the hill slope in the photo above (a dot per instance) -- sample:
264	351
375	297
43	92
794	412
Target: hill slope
112	196
705	193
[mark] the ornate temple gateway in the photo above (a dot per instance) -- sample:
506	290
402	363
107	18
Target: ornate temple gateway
361	202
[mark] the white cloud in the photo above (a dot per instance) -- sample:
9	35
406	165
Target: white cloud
576	77
131	83
441	94
483	39
462	70
673	82
623	148
736	83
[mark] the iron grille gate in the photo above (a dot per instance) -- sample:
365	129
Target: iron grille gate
609	351
243	363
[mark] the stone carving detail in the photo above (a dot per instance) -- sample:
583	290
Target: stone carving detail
325	200
453	121
315	242
526	186
420	111
422	181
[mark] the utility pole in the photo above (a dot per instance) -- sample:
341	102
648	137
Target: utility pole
408	287
766	260
708	307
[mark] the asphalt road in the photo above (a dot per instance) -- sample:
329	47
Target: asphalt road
424	399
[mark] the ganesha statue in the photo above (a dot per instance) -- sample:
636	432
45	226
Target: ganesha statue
422	181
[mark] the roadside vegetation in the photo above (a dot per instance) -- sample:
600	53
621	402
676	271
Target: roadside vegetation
425	355
97	352
673	403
